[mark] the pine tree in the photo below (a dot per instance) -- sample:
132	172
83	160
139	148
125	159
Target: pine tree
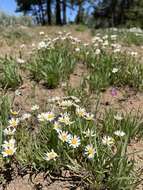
134	14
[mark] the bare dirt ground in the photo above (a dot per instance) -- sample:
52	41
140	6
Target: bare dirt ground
126	100
39	181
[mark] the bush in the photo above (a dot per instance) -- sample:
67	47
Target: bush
9	73
52	65
115	70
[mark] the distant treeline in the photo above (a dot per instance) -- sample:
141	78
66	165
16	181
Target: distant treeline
97	13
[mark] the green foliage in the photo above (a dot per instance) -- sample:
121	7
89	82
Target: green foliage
134	16
81	28
9	73
4	109
52	65
4	114
124	36
131	38
129	71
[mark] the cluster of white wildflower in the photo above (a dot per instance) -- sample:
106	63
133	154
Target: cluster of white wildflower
48	43
65	119
107	41
9	144
47	116
35	107
62	122
81	112
9	148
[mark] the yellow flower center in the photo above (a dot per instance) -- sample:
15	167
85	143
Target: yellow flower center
81	113
14	123
9	151
90	151
14	113
56	126
64	137
74	141
50	116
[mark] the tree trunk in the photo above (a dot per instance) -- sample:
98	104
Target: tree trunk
36	15
64	11
41	10
49	12
113	12
58	13
79	14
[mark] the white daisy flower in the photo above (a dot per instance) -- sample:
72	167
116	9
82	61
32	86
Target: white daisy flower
90	151
34	107
51	155
17	93
107	140
74	141
22	46
66	103
115	70
9	131
10	143
20	61
120	133
75	99
89	116
118	117
64	136
80	112
8	151
97	51
113	36
134	53
57	126
117	50
89	133
49	116
41	33
64	118
25	116
13	122
42	45
41	117
77	49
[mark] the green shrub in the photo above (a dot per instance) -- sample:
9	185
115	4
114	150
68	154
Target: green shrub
132	38
81	28
9	73
52	65
114	69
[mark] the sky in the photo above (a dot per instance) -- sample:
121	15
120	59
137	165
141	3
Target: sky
8	6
